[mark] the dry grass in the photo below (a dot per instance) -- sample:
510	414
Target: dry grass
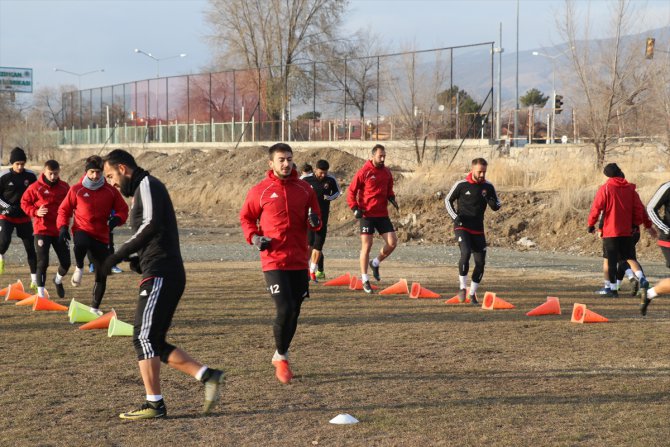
415	372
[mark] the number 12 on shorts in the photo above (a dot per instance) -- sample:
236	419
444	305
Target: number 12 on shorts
274	289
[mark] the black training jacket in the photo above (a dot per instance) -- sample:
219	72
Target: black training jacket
471	199
326	191
661	199
13	185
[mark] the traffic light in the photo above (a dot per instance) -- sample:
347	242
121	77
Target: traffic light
558	104
649	51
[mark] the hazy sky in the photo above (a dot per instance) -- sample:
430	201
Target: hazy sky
86	35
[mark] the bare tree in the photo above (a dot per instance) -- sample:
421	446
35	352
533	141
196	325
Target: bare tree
48	105
272	36
610	76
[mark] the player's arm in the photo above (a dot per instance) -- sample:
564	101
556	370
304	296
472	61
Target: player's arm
452	197
659	200
493	201
334	187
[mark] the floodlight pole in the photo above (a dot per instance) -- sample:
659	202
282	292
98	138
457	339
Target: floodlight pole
79	75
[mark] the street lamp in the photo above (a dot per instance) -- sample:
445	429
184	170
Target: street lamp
553	86
158	60
79	75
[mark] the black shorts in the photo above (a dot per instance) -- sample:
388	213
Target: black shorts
624	246
158	299
383	225
470	242
316	239
287	284
636	239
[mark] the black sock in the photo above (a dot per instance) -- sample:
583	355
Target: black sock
155	405
207	375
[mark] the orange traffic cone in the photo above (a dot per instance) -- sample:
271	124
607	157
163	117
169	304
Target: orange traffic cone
342	280
47	304
357	284
580	314
101	322
455	300
492	302
18	285
399	288
29	301
16	293
421	292
550	307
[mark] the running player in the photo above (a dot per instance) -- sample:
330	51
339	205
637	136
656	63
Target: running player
41	201
471	197
326	188
13	183
368	197
91	201
275	218
153	251
622	210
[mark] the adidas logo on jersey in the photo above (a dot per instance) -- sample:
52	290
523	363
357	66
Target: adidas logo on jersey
143	293
467	193
274	195
11	184
86	194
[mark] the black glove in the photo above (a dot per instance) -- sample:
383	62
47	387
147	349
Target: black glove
113	222
592	229
13	211
64	234
313	220
358	213
109	262
261	242
394	203
135	264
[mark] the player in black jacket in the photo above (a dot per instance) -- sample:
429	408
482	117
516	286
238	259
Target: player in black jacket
326	188
13	183
153	251
661	199
471	197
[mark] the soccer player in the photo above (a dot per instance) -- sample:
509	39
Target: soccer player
622	210
275	218
153	251
91	201
661	199
41	201
13	183
471	197
326	188
368	197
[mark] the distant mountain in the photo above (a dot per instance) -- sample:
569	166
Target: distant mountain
534	71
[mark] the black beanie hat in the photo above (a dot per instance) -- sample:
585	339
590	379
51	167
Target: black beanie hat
612	170
17	154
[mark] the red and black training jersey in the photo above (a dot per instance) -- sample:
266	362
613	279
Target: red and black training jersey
370	190
471	199
41	194
12	187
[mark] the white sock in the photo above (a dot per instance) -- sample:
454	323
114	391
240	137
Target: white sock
639	274
58	279
33	277
2	257
154	397
40	292
278	356
618	284
375	262
463	281
312	267
473	287
630	274
651	293
608	285
199	374
364	277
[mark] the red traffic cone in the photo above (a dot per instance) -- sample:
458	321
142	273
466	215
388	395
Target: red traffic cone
580	314
550	307
421	292
492	302
101	322
399	288
47	304
18	285
342	280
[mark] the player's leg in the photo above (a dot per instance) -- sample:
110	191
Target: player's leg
62	250
25	232
6	230
385	229
279	285
367	233
465	247
42	245
81	242
478	245
99	252
612	248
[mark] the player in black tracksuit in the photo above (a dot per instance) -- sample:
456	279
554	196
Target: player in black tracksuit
661	199
471	197
326	188
153	251
13	183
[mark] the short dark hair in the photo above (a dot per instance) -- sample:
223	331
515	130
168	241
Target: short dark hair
377	146
279	147
120	157
306	167
93	162
323	165
52	165
480	161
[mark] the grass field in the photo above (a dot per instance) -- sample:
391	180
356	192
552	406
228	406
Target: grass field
414	372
